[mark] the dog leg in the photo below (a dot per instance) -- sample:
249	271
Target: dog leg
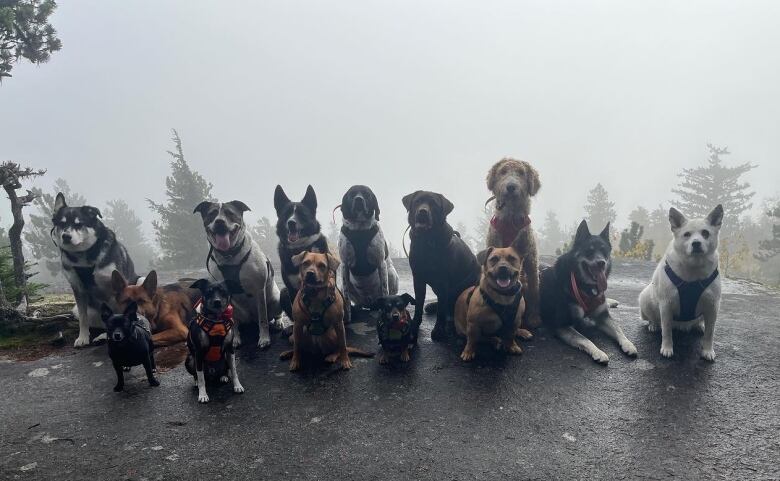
148	363
510	346
383	358
203	397
531	268
707	342
383	280
169	337
570	336
441	328
419	297
607	324
346	292
82	306
405	354
264	338
231	360
472	336
295	358
341	337
524	334
667	337
120	377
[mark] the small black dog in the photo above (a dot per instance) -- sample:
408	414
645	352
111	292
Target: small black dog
396	330
129	343
211	338
573	290
438	258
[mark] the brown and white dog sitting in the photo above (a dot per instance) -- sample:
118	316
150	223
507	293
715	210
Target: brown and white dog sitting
318	313
493	311
513	183
168	309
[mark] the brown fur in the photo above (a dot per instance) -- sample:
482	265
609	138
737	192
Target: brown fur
168	308
333	343
477	321
516	210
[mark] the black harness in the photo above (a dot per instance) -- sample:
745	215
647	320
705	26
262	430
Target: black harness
395	339
689	291
230	271
506	312
317	326
360	239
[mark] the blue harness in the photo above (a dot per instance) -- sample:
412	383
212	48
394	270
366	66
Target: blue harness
689	292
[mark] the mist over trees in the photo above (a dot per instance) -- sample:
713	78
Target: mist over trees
552	235
25	33
178	231
120	218
599	210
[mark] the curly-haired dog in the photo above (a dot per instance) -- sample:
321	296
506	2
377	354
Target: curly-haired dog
513	183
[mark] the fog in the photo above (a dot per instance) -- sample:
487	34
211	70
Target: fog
400	96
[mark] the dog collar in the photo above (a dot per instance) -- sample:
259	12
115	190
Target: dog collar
587	302
689	292
508	230
390	334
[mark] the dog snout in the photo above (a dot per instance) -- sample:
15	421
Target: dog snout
310	277
504	271
696	246
67	238
292	226
395	316
423	214
511	187
117	336
359	203
217	303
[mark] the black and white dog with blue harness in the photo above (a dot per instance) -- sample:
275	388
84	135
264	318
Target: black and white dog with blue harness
685	290
367	272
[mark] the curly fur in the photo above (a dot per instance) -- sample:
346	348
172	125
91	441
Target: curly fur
514	206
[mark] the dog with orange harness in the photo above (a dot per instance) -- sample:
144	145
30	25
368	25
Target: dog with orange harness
211	338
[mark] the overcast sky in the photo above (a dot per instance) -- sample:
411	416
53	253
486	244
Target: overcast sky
399	95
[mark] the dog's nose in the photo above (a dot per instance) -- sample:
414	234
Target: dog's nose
66	238
360	202
696	246
311	277
117	336
292	225
511	188
396	317
217	303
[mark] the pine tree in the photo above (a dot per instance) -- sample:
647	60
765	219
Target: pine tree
120	218
264	233
552	233
658	229
25	33
631	237
38	231
771	247
641	216
704	187
599	210
179	233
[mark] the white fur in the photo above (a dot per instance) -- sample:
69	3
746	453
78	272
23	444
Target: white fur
203	396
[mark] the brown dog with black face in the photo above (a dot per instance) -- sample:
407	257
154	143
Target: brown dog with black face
318	313
168	308
493	311
512	183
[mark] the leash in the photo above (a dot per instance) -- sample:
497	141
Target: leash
333	213
403	240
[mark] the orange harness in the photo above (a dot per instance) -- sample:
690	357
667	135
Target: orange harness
216	329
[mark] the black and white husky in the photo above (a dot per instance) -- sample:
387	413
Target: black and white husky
685	290
367	272
90	253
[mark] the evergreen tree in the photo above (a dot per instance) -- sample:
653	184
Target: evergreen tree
38	231
704	187
120	218
264	233
552	233
641	216
658	229
25	33
771	247
179	233
599	210
631	237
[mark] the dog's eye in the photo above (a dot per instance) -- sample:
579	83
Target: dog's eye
322	265
493	260
705	233
511	259
687	234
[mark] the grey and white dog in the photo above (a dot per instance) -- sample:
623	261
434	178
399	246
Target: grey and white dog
90	253
235	257
367	272
685	290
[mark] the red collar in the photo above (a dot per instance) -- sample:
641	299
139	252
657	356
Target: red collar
508	230
587	302
227	314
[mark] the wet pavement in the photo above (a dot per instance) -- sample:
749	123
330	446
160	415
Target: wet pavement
550	414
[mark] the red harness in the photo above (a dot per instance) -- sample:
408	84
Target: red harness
587	302
217	330
508	230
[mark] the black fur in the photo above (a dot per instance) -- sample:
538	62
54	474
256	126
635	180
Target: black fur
386	305
351	203
438	258
556	294
129	343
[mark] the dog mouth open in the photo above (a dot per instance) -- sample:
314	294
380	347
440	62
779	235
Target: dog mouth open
597	273
505	279
223	240
293	234
422	220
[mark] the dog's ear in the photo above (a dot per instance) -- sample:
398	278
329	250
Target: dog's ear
605	234
131	312
93	212
150	283
408	200
445	204
200	284
233	287
374	204
280	199
202	208
106	312
59	202
408	299
297	259
310	199
118	282
583	232
676	219
346	205
491	177
240	206
532	177
482	256
333	262
715	219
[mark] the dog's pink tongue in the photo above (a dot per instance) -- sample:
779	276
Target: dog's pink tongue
504	282
222	241
601	280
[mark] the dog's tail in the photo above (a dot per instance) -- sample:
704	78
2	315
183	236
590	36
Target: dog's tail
353	351
431	307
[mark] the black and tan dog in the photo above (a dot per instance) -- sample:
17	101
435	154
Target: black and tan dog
318	313
129	343
513	183
396	331
493	311
438	258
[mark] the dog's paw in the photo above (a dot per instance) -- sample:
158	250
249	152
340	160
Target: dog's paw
524	334
708	355
628	348
119	387
203	398
238	388
651	327
468	355
667	351
154	382
439	334
346	364
81	341
405	356
263	344
295	365
224	379
600	357
331	358
514	349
